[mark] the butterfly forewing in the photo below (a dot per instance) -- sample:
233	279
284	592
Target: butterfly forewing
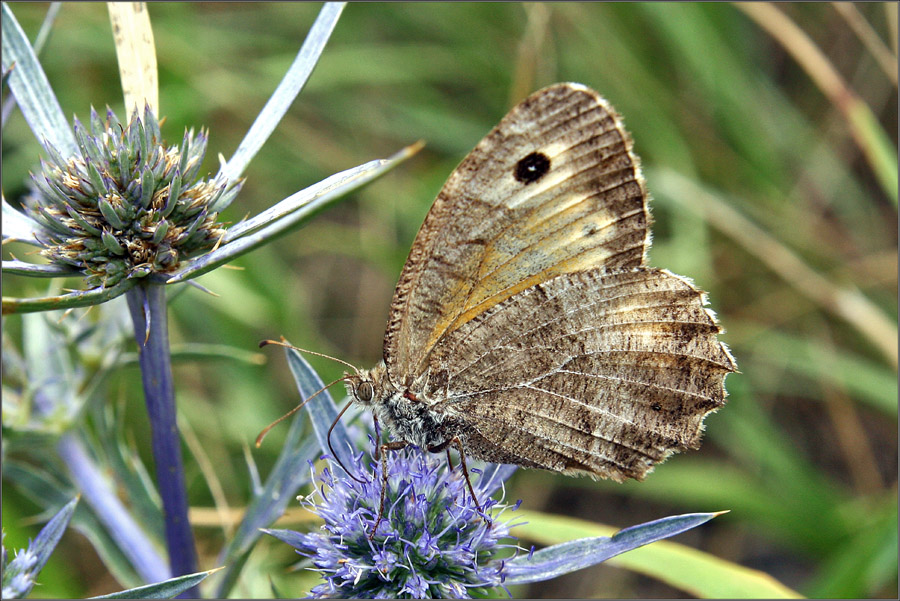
553	189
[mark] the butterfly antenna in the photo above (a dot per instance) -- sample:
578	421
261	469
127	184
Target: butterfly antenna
265	431
286	344
331	448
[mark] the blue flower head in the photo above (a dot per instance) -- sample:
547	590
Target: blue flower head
432	541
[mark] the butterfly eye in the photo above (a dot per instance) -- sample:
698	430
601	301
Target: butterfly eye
365	392
532	167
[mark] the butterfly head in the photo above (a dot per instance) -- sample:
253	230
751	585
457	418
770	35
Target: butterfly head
366	387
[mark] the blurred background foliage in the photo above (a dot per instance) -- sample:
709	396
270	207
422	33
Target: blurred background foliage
762	194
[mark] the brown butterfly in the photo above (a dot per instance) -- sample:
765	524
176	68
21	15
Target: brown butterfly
527	328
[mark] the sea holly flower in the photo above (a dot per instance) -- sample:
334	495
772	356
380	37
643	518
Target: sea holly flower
432	540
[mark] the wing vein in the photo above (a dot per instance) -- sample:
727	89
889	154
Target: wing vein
627	381
567	314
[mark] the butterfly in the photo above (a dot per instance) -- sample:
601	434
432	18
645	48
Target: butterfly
527	328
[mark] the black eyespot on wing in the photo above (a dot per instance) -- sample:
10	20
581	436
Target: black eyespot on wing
532	168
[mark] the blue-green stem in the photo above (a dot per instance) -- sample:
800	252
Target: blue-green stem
147	304
95	487
92	483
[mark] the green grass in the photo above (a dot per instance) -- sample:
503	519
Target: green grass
805	453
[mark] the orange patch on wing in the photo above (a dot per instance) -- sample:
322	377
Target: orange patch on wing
488	293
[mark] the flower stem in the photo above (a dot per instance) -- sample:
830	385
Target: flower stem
96	488
147	304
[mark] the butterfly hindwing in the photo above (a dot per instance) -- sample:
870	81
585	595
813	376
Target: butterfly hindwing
592	372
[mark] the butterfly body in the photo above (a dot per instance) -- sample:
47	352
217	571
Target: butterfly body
527	327
407	413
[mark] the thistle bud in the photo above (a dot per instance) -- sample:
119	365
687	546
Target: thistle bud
126	205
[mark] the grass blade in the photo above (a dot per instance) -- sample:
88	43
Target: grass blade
864	127
136	53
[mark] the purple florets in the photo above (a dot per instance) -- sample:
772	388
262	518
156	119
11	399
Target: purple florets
432	541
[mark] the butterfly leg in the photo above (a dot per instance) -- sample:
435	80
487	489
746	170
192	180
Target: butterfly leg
377	437
462	461
380	450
